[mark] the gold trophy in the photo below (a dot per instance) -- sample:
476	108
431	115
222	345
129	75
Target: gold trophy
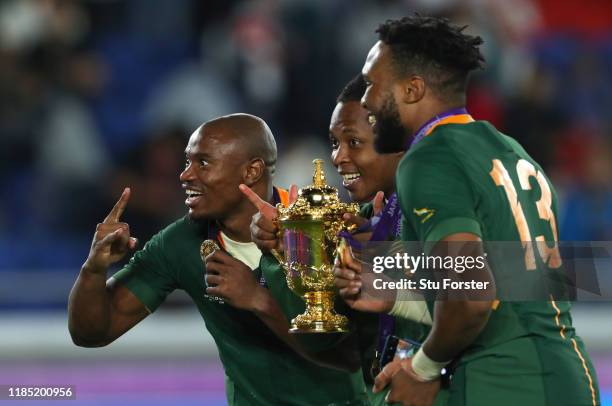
309	230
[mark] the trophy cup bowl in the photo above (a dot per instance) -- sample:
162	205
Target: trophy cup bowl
309	230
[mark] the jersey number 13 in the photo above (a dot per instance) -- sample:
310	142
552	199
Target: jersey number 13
524	171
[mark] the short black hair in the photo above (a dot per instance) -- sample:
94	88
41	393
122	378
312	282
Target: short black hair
353	91
434	48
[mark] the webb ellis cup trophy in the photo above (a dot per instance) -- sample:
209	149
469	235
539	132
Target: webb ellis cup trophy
309	230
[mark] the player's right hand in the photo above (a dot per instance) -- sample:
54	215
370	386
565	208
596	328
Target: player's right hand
112	239
349	279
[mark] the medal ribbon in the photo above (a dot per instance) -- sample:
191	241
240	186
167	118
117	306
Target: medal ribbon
453	116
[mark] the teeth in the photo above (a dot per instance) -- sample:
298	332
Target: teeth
372	119
192	193
350	176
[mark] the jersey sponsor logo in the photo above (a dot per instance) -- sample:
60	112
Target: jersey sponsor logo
424	213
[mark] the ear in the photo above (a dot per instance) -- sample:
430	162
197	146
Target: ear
254	171
413	89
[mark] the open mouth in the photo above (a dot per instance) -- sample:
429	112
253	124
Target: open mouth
193	193
192	197
348	179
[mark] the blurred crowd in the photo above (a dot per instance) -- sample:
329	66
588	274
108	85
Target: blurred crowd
97	94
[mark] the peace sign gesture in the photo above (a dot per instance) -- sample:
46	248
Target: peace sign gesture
112	238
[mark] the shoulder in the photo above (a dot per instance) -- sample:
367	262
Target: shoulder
182	226
178	232
430	152
450	145
170	246
437	166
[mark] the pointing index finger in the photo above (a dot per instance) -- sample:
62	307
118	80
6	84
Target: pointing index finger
293	193
253	197
118	208
265	208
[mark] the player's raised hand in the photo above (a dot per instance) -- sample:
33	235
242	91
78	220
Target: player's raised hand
264	230
293	193
350	281
112	238
378	202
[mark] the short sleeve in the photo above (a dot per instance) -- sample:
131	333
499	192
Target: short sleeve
147	275
435	195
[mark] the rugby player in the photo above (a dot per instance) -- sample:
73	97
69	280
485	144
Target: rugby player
463	181
260	367
368	177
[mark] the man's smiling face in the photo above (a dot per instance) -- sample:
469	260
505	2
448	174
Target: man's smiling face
213	170
363	170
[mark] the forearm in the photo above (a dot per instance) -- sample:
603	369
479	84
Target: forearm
89	308
458	321
456	325
270	313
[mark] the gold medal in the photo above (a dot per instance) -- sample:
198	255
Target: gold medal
207	248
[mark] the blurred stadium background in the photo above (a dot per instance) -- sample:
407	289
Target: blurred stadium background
98	94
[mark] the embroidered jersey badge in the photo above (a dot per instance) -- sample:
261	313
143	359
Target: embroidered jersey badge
424	213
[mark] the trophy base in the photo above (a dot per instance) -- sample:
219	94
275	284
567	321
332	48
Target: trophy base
319	316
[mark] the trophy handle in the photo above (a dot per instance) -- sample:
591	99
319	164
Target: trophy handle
280	259
343	249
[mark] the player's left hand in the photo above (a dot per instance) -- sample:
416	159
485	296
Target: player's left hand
231	280
264	228
406	388
357	221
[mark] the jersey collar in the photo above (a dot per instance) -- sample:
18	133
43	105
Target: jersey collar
452	116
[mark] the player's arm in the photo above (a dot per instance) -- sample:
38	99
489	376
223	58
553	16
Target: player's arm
457	323
452	228
100	311
344	357
439	203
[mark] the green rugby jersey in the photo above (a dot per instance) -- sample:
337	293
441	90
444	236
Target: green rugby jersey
260	369
471	178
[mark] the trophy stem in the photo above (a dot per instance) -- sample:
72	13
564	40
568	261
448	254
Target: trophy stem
319	316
